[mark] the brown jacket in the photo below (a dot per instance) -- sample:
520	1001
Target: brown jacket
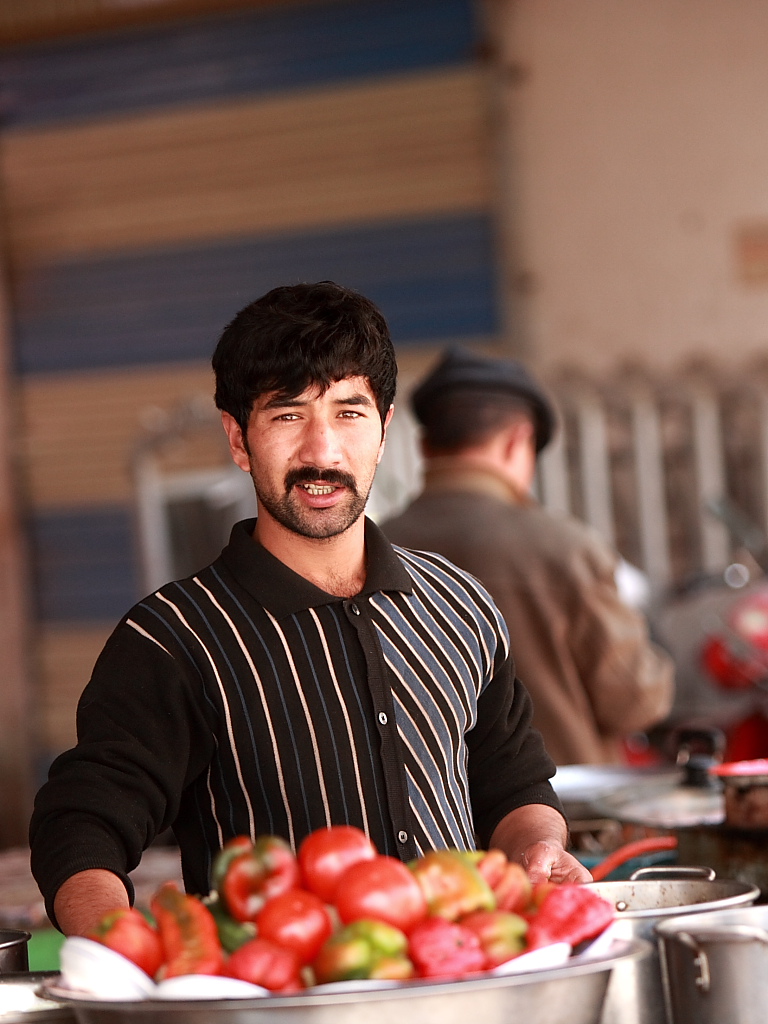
583	654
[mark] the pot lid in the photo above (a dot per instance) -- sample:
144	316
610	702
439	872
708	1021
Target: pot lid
664	804
588	782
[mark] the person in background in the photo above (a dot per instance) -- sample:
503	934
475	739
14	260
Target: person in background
293	683
583	653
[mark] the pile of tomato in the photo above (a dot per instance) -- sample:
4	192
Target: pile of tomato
338	911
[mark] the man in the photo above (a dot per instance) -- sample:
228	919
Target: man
583	654
311	675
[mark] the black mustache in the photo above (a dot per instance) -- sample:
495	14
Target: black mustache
309	475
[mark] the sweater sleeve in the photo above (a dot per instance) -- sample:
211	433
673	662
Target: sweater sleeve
141	738
508	764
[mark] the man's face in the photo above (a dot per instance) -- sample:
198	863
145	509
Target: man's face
313	458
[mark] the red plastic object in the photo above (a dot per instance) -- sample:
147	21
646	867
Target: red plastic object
653	844
755	766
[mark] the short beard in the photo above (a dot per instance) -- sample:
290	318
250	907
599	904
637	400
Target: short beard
317	524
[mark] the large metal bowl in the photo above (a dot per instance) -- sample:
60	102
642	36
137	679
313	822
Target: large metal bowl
571	994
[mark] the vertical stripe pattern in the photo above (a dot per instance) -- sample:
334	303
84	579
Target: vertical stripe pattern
250	701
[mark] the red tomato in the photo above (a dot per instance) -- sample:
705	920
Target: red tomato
263	963
383	889
296	920
324	856
128	932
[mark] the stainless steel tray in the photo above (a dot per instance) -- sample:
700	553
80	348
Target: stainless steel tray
571	994
22	1000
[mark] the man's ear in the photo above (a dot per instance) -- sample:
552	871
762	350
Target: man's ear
237	448
387	420
522	432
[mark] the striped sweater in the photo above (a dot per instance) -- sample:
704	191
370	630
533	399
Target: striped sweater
245	700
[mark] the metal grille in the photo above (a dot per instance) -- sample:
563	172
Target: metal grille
671	469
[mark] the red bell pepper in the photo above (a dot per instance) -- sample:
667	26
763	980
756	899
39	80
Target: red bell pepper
444	949
501	935
128	932
267	869
539	893
188	933
451	884
364	949
232	934
265	963
509	881
569	913
231	849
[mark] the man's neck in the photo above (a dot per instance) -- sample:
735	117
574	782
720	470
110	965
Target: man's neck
467	472
334	564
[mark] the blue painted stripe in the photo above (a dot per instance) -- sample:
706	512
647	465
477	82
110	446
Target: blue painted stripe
84	564
433	279
242	53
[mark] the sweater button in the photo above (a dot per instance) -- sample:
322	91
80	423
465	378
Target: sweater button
383	718
354	609
402	836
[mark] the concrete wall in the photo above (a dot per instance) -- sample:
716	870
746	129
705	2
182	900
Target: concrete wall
157	179
638	153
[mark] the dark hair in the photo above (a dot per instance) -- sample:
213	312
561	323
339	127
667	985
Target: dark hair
301	335
464	417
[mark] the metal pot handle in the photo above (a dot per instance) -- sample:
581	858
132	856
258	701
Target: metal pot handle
667	872
733	933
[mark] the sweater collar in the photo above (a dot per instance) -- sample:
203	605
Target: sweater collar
284	592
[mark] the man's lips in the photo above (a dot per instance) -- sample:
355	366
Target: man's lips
317	490
316	483
319	495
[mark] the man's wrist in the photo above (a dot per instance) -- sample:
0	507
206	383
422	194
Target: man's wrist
525	826
84	898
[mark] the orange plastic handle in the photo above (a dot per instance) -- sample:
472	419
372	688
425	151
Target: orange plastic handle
653	844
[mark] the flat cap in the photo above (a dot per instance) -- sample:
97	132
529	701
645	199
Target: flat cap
460	368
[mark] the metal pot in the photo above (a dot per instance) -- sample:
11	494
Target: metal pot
635	993
696	816
746	792
571	994
714	966
13	950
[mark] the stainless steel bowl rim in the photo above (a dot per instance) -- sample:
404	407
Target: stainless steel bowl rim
729	916
733	895
621	951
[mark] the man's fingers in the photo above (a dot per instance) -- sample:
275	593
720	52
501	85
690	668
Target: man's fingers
547	862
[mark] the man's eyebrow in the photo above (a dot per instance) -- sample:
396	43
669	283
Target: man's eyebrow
356	399
281	402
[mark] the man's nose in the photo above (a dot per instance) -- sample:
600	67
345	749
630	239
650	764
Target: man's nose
320	444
